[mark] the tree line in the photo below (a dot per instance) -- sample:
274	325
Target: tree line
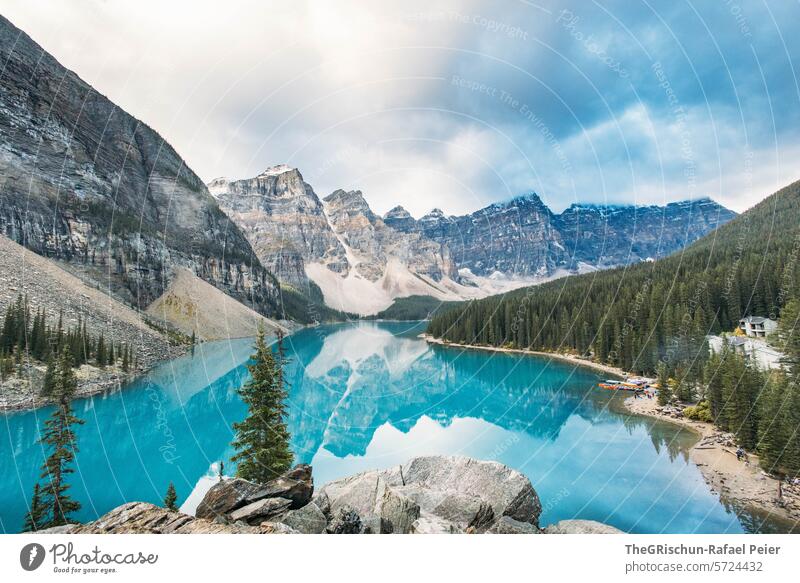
27	334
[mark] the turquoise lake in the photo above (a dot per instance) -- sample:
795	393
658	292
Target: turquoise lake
371	395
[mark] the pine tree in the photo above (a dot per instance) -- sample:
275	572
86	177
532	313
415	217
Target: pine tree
664	391
49	377
59	438
171	499
788	336
262	440
36	517
772	427
100	355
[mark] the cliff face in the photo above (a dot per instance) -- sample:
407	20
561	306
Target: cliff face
84	182
359	262
376	244
284	221
617	235
523	238
514	238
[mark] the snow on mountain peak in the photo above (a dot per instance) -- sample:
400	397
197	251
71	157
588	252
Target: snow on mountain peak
276	170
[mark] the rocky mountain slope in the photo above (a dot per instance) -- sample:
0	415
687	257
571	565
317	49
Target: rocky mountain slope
362	262
608	236
359	263
195	307
84	182
522	237
284	220
48	286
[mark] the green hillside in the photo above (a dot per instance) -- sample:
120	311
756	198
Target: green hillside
635	316
414	308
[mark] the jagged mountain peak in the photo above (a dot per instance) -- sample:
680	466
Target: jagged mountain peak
434	215
277	170
400	219
349	201
397	212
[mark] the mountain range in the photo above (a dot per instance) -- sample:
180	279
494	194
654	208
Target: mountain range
362	262
104	196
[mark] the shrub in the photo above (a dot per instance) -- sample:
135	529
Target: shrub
699	412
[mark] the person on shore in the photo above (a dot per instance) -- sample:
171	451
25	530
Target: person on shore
739	454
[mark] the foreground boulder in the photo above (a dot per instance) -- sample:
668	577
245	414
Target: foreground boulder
143	518
260	511
507	525
296	485
581	527
308	520
345	521
427	495
434	494
227	496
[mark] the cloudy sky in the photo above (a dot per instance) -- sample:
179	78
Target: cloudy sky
455	104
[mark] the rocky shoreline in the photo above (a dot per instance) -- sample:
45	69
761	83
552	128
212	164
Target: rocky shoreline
22	394
714	453
426	495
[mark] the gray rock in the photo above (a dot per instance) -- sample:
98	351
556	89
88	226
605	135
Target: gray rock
507	525
396	510
483	519
428	523
453	494
309	519
455	507
225	497
506	490
63	529
383	508
140	517
296	485
260	510
345	521
268	527
357	493
581	527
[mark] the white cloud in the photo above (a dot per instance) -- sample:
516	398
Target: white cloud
359	95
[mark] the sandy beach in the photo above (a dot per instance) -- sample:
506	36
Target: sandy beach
736	481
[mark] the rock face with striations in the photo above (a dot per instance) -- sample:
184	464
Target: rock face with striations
514	238
434	494
294	489
378	244
606	236
84	182
284	220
